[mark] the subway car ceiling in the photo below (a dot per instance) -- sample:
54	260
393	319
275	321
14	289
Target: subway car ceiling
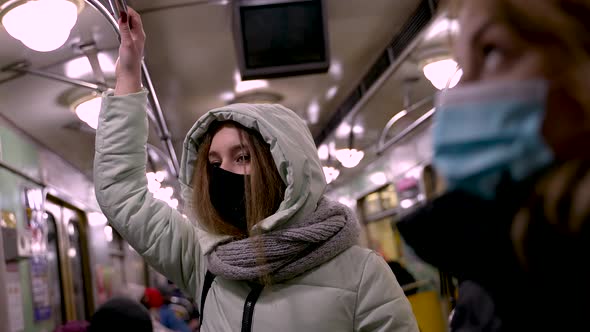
378	49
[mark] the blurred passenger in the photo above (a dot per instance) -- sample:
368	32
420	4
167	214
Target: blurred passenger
186	302
403	276
121	314
175	290
181	307
251	176
512	142
159	307
73	326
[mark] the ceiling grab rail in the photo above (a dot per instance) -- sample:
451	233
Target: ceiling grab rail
383	144
154	101
410	37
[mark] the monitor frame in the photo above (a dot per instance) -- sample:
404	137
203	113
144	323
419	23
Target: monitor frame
276	71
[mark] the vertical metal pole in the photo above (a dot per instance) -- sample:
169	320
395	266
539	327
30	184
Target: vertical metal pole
4	318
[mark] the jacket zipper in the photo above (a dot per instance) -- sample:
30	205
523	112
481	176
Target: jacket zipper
249	307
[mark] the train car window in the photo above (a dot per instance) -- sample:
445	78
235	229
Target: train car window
55	278
379	210
388	198
384	239
372	204
75	258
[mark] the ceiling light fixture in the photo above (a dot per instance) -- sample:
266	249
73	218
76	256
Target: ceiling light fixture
330	173
378	178
331	93
41	25
442	72
165	194
344	130
336	69
349	158
87	109
313	112
80	66
443	27
323	152
243	86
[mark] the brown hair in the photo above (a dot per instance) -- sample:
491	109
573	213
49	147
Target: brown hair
264	190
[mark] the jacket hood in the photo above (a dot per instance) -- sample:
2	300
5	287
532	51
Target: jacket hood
294	153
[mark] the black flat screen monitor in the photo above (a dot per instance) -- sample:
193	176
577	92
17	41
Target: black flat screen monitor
280	38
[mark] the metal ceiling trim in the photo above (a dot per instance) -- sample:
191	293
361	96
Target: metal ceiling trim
395	54
24	68
383	142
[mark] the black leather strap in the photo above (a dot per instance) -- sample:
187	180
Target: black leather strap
249	307
209	277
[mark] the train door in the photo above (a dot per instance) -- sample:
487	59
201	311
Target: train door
55	278
73	259
117	253
75	252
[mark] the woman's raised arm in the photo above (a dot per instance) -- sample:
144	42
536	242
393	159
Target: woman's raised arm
158	232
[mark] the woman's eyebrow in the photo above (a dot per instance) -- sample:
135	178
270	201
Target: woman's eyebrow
238	148
213	154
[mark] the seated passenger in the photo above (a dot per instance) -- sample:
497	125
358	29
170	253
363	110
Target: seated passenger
121	314
267	251
403	276
73	326
512	141
159	308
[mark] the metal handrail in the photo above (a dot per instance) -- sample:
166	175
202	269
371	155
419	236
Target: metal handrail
405	132
23	67
398	116
416	284
159	115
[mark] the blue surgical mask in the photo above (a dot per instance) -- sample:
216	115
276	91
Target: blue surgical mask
485	131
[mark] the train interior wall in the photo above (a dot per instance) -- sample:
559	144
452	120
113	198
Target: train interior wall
87	262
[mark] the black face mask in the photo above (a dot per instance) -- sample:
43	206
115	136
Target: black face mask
226	190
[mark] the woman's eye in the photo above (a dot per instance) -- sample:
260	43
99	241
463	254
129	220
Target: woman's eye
215	163
243	159
493	57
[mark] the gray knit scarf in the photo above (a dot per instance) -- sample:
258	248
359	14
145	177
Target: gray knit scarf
289	252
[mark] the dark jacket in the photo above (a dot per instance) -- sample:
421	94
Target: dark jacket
121	315
525	255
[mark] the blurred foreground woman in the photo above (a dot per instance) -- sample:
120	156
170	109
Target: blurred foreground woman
267	251
513	142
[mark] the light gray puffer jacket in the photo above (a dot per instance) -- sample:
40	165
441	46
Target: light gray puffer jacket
355	291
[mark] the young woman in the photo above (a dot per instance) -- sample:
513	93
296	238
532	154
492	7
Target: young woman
512	142
267	251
